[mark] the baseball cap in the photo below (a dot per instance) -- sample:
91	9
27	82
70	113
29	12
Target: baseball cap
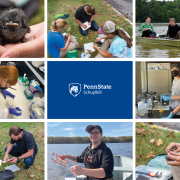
90	127
107	27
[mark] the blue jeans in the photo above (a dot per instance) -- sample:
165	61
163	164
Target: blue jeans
16	153
94	27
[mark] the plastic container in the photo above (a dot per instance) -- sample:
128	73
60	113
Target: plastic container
28	93
141	108
11	64
37	113
10	103
33	89
145	107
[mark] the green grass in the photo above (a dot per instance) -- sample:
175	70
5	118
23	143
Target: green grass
144	147
37	169
39	15
103	13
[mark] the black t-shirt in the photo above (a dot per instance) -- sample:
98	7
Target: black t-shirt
26	143
99	157
173	30
81	15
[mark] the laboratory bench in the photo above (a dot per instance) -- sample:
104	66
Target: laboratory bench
20	99
156	114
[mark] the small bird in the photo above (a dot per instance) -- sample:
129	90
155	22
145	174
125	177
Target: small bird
14	25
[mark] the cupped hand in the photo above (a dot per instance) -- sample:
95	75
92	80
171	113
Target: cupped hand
174	156
95	46
6	157
14	160
76	170
97	39
33	48
173	145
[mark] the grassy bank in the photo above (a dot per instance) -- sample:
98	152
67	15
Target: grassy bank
145	133
104	13
39	15
37	169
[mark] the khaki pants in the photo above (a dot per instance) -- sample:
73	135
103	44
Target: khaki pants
177	35
72	45
105	46
176	172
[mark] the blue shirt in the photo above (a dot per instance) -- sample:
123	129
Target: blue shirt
55	43
119	48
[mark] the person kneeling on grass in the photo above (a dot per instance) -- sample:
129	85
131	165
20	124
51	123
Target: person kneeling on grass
175	156
25	147
86	14
117	43
59	45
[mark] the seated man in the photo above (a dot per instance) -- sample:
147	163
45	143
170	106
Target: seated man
173	29
25	147
83	14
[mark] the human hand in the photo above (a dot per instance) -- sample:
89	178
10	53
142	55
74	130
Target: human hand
164	94
63	157
5	93
69	37
97	39
33	48
77	170
167	98
167	35
174	156
6	157
144	29
95	46
14	111
90	23
14	160
173	145
84	26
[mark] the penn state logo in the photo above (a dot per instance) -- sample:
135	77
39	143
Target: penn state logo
74	89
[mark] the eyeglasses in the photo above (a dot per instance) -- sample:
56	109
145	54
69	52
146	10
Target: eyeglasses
95	133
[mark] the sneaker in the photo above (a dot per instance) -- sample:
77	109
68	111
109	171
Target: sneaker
26	167
79	47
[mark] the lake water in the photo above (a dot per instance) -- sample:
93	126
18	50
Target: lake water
55	171
156	51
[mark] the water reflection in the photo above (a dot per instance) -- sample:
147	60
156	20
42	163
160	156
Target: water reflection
156	51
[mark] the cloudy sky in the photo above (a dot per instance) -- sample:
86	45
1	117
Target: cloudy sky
69	129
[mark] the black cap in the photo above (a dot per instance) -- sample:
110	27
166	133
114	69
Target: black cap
91	127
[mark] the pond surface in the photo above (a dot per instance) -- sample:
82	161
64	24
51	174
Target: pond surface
156	51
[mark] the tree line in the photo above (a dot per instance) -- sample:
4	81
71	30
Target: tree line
86	140
159	11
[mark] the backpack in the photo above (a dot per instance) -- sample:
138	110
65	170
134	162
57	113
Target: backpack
72	54
157	164
6	175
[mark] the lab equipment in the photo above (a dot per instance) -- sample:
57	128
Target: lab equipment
155	104
5	93
28	93
23	80
11	64
11	104
37	113
37	63
33	89
35	84
37	102
146	107
141	108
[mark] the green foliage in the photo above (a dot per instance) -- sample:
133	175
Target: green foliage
159	11
81	140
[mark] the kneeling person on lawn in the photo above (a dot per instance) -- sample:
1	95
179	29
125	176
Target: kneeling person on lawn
25	147
86	14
